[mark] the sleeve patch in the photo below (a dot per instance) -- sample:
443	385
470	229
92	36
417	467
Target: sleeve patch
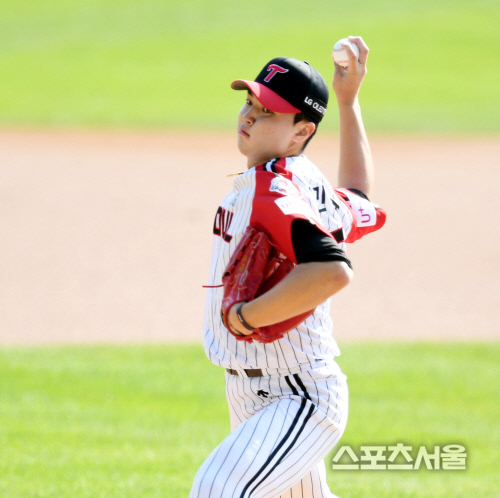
365	211
294	205
367	216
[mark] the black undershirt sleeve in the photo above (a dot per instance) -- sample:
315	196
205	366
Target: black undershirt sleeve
312	245
358	192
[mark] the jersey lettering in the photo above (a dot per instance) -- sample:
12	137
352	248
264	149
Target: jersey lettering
273	70
222	222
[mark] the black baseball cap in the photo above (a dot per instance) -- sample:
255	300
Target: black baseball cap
290	86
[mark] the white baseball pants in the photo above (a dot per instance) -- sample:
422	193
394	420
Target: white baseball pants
283	426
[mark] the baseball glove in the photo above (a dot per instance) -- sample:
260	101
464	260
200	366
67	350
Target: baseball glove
255	267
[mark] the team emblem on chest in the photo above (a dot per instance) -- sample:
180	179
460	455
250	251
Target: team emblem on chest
284	186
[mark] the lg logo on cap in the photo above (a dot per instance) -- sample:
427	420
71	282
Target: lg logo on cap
315	105
274	69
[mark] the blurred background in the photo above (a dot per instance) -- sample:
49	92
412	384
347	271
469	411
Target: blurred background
117	136
117	133
167	64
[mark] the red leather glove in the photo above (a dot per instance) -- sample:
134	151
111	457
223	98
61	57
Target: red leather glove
255	267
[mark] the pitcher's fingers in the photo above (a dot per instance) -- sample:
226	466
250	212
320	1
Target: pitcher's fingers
363	48
351	55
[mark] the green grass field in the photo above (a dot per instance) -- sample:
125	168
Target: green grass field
138	421
156	63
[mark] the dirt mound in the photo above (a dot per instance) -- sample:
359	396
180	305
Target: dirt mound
107	237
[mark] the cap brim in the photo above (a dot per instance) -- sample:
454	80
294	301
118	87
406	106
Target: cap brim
265	96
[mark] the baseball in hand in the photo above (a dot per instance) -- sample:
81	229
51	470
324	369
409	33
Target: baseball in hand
339	53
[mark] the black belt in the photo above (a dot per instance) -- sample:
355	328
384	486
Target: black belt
251	372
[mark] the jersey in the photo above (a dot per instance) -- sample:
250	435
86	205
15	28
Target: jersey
270	197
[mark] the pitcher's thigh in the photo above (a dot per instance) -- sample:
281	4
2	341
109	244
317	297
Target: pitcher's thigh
268	453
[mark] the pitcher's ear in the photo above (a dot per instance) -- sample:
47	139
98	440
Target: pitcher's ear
305	130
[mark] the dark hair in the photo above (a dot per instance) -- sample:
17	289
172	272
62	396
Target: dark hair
304	117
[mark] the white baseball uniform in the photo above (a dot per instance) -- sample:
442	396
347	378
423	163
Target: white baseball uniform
287	399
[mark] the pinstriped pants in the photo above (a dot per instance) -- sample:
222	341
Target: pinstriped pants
283	427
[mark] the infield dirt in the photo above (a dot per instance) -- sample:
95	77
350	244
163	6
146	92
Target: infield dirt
106	237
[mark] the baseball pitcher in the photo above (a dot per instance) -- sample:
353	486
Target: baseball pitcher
279	240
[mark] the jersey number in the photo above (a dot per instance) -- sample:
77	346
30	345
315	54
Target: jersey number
320	193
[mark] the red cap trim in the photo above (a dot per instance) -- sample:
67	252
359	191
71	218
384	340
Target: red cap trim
265	96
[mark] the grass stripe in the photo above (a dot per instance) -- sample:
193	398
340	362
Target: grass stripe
137	421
